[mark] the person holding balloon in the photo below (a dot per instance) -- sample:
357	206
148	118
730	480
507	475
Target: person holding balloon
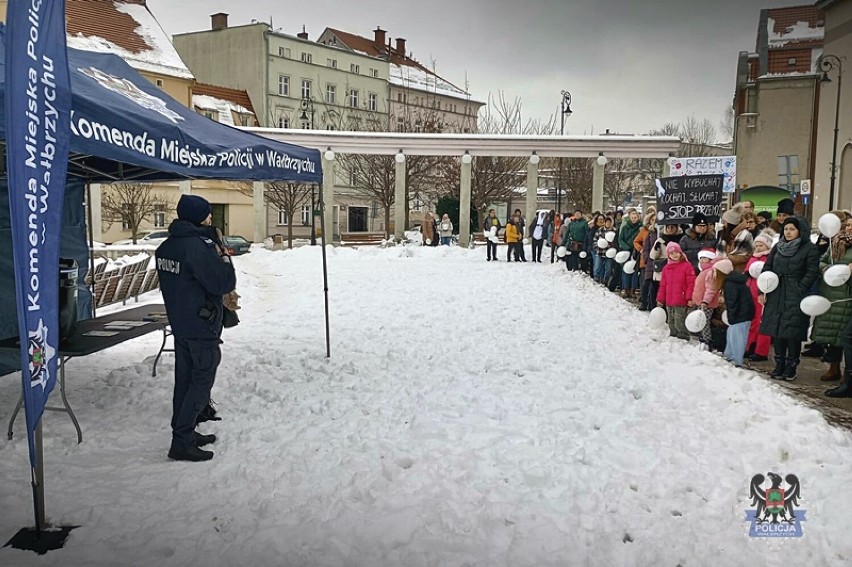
828	327
791	269
491	226
758	343
740	308
676	286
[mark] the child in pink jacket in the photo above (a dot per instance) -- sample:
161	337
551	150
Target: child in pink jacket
706	296
676	287
758	344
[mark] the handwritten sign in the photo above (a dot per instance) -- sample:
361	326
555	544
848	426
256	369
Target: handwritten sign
710	165
680	198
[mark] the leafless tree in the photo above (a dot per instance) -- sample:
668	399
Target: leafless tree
497	178
130	204
726	125
282	196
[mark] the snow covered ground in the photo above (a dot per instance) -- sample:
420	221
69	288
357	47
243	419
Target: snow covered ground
472	413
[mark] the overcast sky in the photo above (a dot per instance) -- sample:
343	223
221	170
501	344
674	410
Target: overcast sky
630	65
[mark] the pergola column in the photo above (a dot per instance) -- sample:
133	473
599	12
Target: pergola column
532	190
185	186
328	198
97	213
598	186
260	220
399	197
464	200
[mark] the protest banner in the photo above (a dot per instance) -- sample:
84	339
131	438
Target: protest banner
679	198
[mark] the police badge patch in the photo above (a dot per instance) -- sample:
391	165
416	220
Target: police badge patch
776	513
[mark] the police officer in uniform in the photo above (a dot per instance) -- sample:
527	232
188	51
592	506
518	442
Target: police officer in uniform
194	274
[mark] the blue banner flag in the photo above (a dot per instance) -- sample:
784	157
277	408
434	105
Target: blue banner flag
38	110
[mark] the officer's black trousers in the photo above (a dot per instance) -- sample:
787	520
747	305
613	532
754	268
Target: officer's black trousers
196	361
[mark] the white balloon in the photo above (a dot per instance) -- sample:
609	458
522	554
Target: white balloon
428	241
583	254
602	243
657	317
725	317
561	251
629	267
493	231
837	275
767	282
622	256
486	233
610	236
755	269
695	321
829	224
494	239
526	240
611	253
814	305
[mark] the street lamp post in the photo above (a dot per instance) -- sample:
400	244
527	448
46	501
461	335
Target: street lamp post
828	62
307	108
565	111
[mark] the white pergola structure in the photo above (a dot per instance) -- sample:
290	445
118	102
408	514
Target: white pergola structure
461	145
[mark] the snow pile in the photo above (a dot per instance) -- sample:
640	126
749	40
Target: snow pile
801	31
472	413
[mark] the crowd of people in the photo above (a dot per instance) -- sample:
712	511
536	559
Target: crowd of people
711	267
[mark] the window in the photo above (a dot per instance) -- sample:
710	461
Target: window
374	72
284	52
353	98
282	217
306	215
244	119
211	114
160	216
788	173
355	68
791	61
307	58
399	97
283	85
400	124
353	179
331	94
372	101
160	83
331	63
416	204
283	122
306	88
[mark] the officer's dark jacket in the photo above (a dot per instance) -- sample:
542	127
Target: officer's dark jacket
193	279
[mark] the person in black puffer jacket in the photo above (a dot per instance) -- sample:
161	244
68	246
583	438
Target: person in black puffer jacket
740	309
194	274
796	262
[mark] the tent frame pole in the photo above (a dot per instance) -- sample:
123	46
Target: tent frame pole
91	242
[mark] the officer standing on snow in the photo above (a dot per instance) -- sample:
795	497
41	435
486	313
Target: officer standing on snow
194	274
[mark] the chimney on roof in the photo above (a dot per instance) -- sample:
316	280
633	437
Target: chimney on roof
302	34
218	21
400	46
380	36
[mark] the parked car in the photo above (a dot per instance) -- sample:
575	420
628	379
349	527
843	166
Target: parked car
236	245
149	237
